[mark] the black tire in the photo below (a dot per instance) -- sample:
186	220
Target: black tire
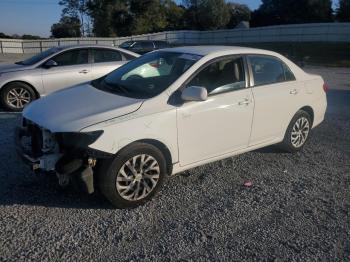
30	95
107	174
287	144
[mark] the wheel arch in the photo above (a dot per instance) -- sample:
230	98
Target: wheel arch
161	146
310	111
37	95
307	109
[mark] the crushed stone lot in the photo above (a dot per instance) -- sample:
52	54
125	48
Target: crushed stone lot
298	207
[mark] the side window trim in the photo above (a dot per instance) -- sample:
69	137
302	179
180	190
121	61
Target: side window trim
251	77
69	50
214	60
250	70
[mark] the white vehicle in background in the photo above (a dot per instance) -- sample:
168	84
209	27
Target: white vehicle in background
130	129
55	69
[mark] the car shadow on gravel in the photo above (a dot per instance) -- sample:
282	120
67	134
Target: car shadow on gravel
43	190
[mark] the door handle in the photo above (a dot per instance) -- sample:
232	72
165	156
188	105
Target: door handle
85	71
244	102
293	92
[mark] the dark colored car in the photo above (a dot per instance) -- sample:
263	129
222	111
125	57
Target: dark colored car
143	46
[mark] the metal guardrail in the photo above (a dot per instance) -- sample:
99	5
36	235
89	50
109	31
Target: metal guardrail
317	32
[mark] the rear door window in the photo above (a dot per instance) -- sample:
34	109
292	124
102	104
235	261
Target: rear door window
102	55
269	70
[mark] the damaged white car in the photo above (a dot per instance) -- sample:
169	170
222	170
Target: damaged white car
128	130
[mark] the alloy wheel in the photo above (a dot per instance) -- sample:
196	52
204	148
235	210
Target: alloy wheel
18	97
300	132
138	177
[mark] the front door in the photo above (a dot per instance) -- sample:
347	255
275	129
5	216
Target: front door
72	68
222	123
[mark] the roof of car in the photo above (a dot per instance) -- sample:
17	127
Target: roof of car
86	46
206	50
145	41
70	47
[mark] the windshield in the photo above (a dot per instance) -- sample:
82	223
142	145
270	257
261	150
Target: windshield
148	75
37	58
126	44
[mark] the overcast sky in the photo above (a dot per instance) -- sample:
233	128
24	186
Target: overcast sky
36	16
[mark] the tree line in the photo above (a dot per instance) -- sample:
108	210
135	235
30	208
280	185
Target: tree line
105	18
15	36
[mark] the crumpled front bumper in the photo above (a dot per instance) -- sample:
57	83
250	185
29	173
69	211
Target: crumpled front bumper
24	152
65	166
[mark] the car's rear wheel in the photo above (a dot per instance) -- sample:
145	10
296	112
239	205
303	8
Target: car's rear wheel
134	176
15	96
298	132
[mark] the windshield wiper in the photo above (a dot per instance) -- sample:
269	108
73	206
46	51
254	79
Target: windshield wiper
19	63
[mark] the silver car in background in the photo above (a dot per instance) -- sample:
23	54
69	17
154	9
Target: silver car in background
55	69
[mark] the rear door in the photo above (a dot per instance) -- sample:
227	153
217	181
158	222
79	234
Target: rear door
105	60
276	94
72	68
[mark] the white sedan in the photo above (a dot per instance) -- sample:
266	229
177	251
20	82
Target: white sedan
127	131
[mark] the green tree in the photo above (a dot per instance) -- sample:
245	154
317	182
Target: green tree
148	16
343	11
272	12
238	13
121	22
206	14
2	35
66	27
78	9
174	15
30	37
101	13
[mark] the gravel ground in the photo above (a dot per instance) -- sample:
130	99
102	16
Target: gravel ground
297	209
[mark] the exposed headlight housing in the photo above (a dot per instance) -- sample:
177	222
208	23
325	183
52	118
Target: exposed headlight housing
79	140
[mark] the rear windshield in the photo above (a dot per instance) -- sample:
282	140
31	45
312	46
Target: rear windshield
126	44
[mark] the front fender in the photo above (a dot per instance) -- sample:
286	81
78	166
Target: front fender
122	132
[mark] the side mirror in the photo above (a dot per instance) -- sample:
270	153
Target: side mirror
50	63
194	93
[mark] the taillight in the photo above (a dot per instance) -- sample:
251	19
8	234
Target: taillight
325	87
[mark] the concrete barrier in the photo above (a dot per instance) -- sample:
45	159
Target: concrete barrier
316	32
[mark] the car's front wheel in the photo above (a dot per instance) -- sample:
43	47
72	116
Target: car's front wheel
298	132
15	96
134	176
